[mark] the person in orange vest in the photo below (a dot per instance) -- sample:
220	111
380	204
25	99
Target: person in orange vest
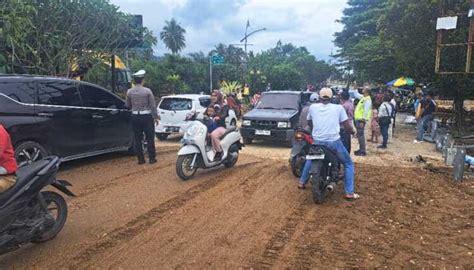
8	164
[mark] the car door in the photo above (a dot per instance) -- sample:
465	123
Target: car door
110	118
61	117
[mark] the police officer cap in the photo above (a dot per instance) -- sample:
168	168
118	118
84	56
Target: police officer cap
139	74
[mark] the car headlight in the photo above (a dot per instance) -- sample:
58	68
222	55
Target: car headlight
284	125
246	123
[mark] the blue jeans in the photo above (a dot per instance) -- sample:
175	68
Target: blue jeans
422	126
343	156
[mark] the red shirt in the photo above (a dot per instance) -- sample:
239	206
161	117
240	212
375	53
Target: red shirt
7	156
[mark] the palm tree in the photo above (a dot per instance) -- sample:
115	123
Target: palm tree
173	36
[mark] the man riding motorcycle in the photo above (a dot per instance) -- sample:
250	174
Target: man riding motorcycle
7	161
324	119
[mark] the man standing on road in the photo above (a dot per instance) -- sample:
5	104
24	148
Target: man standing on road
144	115
303	122
362	115
349	108
325	119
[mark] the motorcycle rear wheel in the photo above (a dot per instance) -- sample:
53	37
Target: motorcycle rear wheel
57	207
318	188
297	164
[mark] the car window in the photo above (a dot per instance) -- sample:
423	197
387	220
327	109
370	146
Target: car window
205	102
58	93
96	97
24	92
279	101
176	104
305	98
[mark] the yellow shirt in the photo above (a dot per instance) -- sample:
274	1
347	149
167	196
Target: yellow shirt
246	91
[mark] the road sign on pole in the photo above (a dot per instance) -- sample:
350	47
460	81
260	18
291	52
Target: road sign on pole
217	59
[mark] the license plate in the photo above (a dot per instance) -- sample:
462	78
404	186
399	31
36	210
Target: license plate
313	157
263	132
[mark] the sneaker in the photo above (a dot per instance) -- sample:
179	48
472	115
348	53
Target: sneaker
360	154
141	161
153	160
382	146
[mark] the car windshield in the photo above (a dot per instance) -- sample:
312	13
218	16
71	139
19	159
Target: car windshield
176	104
278	101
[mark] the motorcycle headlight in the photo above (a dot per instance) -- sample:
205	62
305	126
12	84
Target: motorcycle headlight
284	125
192	130
246	123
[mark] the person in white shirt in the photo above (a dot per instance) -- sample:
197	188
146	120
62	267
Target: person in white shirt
324	119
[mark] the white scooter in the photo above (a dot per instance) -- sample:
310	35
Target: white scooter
196	152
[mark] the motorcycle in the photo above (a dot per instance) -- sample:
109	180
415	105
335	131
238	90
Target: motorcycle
28	214
299	151
324	173
197	152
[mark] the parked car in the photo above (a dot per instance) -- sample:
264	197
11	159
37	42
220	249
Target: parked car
67	118
275	117
174	109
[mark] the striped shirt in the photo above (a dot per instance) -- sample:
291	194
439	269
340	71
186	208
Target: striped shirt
140	98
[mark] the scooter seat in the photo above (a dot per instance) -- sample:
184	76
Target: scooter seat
23	175
228	131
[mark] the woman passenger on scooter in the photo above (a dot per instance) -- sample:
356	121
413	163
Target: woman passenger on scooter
218	99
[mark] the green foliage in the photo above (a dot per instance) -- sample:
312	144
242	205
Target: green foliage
173	36
230	87
42	36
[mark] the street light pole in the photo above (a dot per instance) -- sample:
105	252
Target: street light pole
210	73
245	39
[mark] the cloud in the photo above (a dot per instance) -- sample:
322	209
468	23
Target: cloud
309	23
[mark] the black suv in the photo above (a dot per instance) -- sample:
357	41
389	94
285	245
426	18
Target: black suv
63	117
275	117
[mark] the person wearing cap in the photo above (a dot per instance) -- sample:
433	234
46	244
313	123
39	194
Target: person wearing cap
427	108
325	119
303	123
349	108
362	115
141	102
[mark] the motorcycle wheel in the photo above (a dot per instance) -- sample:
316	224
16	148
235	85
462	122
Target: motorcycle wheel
183	167
232	162
57	207
317	185
297	164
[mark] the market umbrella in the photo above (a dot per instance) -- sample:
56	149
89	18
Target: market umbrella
402	81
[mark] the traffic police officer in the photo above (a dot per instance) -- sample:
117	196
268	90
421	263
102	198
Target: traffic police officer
144	115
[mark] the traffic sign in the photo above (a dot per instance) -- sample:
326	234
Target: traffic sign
217	59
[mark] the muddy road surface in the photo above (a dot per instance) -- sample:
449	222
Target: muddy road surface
253	216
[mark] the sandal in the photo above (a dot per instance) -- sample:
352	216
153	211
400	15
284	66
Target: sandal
301	186
352	197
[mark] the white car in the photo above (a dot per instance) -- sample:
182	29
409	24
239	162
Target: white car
174	109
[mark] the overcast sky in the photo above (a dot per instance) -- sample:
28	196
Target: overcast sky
309	23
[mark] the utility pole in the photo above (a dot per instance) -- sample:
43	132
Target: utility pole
245	39
210	73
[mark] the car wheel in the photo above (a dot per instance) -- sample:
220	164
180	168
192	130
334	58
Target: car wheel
162	136
29	152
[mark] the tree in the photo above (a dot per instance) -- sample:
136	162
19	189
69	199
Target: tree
173	36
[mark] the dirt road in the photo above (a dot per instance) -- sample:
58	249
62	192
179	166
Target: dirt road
253	216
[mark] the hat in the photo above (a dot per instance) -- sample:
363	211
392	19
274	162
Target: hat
325	93
139	74
314	97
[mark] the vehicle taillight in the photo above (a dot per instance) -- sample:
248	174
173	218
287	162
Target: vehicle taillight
308	138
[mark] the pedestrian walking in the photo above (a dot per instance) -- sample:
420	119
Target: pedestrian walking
374	126
362	115
141	102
